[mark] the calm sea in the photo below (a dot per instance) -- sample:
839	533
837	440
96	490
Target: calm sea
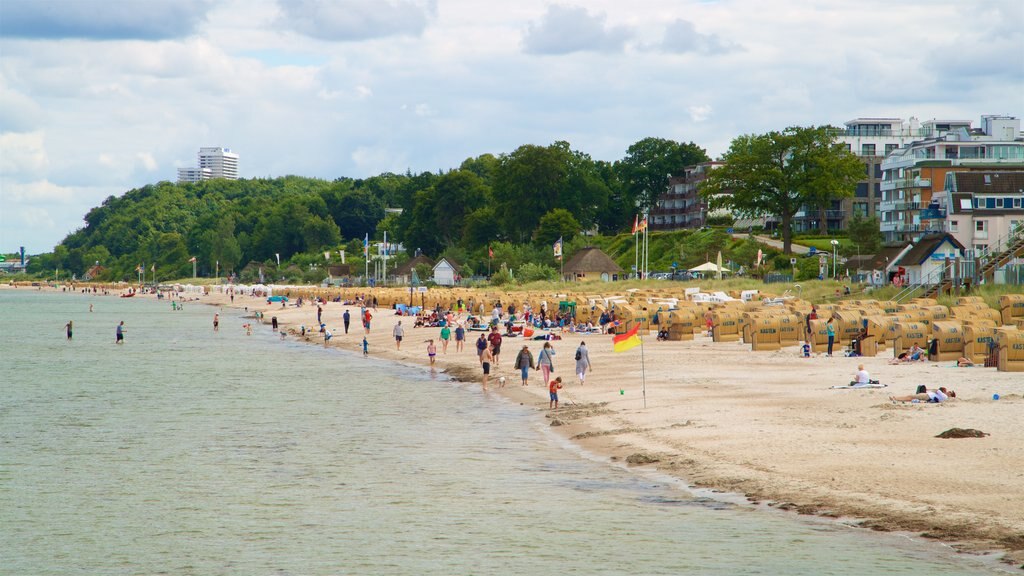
186	451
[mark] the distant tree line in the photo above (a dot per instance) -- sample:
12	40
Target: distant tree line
529	197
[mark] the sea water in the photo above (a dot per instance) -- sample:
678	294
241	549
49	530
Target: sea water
189	451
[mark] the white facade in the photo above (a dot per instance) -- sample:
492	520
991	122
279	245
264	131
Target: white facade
193	174
907	183
444	273
222	162
214	162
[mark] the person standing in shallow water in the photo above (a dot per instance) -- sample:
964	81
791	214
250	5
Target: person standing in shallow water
216	322
69	327
119	334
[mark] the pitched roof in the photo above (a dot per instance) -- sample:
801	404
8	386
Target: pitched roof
455	265
990	182
591	259
407	268
925	247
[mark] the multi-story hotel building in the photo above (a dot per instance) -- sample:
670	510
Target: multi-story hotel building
913	176
214	162
681	205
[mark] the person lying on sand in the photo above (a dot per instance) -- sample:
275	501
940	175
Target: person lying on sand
934	396
964	363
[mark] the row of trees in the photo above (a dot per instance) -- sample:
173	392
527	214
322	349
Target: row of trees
528	197
532	195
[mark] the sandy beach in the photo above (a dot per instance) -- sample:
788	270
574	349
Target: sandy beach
766	425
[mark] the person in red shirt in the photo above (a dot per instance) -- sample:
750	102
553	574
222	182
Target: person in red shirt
553	387
495	339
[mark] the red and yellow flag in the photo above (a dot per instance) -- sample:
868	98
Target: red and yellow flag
626	341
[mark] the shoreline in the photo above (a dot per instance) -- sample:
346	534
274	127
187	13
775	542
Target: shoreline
763	425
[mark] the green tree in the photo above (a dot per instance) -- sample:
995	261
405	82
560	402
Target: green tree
865	233
528	184
648	165
558	223
778	173
356	212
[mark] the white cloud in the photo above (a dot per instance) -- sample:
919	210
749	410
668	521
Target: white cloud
317	88
567	29
699	113
101	19
22	154
350	20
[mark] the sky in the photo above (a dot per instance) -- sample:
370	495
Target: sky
100	97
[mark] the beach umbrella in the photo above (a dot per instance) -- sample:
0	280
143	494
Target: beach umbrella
719	264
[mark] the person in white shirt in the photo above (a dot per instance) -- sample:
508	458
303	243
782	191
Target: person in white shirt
861	378
939	395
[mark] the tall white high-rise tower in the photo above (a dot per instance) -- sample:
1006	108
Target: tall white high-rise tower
214	162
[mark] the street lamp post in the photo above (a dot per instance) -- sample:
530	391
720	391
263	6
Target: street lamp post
835	252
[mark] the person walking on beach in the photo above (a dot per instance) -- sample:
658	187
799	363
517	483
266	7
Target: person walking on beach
319	313
69	327
830	330
481	345
524	362
216	322
545	361
273	323
582	362
119	334
495	340
813	315
709	321
446	335
553	388
399	333
346	318
460	337
431	351
366	320
485	362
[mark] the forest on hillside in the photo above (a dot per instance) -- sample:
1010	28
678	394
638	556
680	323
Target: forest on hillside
514	204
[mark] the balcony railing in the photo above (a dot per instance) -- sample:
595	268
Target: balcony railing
906	183
894	205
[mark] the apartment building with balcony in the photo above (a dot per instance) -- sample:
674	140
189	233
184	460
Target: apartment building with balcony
914	176
984	207
871	140
681	205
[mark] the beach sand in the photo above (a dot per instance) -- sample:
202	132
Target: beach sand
762	424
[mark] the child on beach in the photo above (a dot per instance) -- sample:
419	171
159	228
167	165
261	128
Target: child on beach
805	349
431	351
553	388
366	347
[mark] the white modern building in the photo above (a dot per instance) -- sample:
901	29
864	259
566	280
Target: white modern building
214	162
914	176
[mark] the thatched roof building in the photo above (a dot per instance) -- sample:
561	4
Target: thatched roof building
591	263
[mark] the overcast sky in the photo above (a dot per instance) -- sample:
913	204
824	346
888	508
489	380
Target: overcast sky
101	96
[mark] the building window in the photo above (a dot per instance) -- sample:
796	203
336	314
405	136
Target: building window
862	190
860	209
847	147
877	204
878	189
980	249
990	203
867	149
954	226
878	171
890	147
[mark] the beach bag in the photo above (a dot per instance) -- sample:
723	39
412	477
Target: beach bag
578	354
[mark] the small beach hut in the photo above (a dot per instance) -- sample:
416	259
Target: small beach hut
445	272
590	263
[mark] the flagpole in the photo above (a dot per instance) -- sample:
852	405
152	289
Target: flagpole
643	373
636	247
